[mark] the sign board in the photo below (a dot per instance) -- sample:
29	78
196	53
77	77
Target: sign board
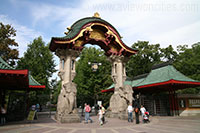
194	102
99	103
31	115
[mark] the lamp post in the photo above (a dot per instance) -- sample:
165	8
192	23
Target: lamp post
94	66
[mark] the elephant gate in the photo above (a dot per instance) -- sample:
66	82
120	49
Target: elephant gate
91	30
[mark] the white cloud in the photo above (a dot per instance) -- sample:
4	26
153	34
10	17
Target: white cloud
24	35
188	34
152	20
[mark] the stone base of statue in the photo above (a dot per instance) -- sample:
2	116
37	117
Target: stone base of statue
118	106
118	103
68	118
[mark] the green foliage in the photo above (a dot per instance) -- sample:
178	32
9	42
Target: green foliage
7	41
188	62
56	91
39	61
147	56
168	54
142	62
90	83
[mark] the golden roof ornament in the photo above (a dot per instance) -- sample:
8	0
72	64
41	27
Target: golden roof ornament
96	15
68	28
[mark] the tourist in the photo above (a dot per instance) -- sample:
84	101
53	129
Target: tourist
136	109
33	107
103	112
3	115
100	115
142	110
137	115
130	113
37	106
87	110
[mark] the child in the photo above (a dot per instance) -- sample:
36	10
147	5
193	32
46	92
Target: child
101	116
146	117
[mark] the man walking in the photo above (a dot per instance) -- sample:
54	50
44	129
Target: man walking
136	109
130	113
87	113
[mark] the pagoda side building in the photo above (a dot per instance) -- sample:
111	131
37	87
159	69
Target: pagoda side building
157	91
12	82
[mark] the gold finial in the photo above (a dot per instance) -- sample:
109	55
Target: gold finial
68	28
66	32
96	15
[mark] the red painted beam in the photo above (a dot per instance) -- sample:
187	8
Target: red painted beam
37	86
18	72
169	82
109	90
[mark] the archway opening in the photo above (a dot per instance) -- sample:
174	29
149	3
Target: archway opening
90	82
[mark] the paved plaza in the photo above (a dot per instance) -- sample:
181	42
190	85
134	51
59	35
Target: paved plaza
157	125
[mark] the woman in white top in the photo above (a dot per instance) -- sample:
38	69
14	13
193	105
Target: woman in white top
100	116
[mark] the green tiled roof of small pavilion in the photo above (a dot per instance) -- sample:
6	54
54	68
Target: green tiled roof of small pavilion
164	74
76	27
32	81
125	83
158	75
4	65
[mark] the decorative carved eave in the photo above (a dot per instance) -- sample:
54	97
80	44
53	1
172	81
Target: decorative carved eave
94	31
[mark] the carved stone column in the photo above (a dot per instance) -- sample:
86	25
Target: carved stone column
66	106
122	93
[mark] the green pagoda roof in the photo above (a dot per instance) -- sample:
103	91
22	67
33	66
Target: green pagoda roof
76	27
4	65
164	74
161	78
32	81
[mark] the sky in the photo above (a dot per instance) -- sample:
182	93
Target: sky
167	22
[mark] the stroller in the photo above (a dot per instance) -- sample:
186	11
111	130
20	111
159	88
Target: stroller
146	117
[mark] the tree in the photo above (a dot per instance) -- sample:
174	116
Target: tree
56	87
188	62
90	83
142	62
39	61
168	54
147	56
7	42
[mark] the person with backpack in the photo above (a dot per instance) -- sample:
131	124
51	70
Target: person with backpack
137	109
87	110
